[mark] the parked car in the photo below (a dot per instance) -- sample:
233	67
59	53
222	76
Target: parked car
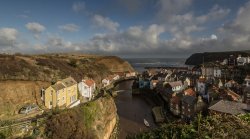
28	108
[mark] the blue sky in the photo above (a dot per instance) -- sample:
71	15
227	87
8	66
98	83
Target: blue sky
130	28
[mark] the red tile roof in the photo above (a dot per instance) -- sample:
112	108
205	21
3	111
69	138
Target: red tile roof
190	92
89	82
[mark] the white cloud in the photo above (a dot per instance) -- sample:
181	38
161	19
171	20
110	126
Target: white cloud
35	27
78	6
105	22
69	28
8	37
213	37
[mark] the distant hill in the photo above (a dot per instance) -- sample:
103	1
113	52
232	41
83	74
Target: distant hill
197	58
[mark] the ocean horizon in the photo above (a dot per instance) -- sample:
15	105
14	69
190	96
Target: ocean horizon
139	64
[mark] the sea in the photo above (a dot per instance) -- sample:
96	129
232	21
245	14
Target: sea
139	64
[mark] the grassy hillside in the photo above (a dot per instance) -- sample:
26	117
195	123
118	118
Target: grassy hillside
96	120
197	58
211	127
52	67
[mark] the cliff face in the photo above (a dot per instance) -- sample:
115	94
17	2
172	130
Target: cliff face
23	76
95	119
197	58
14	94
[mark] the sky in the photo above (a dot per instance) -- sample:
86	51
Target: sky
126	28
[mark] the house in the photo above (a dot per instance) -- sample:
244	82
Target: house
241	61
191	106
217	72
207	72
220	84
201	86
153	84
144	83
247	81
120	74
115	77
62	93
175	86
229	107
230	84
188	107
196	70
86	88
246	95
232	61
187	82
106	81
130	74
189	92
175	105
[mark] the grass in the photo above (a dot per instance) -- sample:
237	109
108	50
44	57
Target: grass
216	126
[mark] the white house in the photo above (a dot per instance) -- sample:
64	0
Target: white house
176	86
106	81
217	72
130	74
86	88
220	84
187	82
242	60
247	81
201	86
115	77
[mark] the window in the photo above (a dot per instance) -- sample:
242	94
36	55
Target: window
50	103
72	99
62	98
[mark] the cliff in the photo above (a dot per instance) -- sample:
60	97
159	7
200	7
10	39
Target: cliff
197	58
95	119
23	76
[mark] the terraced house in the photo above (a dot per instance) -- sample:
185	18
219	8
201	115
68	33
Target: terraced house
63	93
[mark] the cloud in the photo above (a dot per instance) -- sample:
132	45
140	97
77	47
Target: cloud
8	37
35	28
78	6
69	28
213	37
24	16
105	22
168	8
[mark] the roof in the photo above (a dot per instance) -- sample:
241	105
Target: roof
247	77
229	107
174	84
68	82
190	92
89	82
58	86
202	79
154	81
175	100
191	100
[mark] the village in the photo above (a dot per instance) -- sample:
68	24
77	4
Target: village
220	87
68	93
